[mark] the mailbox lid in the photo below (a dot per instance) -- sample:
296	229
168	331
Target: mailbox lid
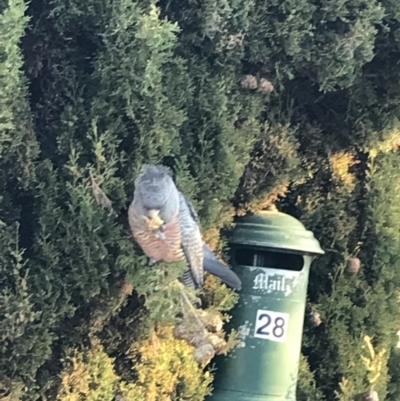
277	230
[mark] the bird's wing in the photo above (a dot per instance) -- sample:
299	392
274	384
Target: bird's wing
192	210
210	262
191	240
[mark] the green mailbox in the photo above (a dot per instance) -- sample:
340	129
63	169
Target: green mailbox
271	252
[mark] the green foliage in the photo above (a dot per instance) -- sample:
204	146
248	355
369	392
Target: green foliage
105	86
327	42
166	369
306	387
88	375
18	147
19	314
383	229
164	365
394	383
274	166
365	303
137	75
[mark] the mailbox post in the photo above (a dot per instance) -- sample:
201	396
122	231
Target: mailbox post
271	252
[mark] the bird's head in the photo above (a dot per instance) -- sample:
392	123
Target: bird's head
154	186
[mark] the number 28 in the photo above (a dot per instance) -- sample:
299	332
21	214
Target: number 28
271	325
278	329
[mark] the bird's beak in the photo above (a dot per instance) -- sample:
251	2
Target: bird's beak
153	213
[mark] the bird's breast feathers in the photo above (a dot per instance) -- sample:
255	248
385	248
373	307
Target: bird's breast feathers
159	241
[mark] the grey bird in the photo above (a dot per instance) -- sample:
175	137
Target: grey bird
166	226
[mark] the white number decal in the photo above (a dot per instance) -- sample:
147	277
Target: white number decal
271	325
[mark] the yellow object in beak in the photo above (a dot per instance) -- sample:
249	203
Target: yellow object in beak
154	220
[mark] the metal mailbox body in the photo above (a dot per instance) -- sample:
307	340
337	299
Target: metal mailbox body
272	253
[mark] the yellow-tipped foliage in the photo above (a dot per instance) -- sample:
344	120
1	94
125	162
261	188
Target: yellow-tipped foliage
88	375
165	366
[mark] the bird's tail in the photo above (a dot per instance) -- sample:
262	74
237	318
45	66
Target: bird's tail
212	265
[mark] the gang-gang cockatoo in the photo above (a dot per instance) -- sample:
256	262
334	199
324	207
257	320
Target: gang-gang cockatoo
166	226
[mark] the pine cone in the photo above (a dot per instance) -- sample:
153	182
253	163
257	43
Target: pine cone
126	288
181	332
265	86
204	353
353	265
213	322
197	339
218	343
249	82
315	319
194	336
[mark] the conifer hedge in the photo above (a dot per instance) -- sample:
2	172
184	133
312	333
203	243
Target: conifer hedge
252	103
